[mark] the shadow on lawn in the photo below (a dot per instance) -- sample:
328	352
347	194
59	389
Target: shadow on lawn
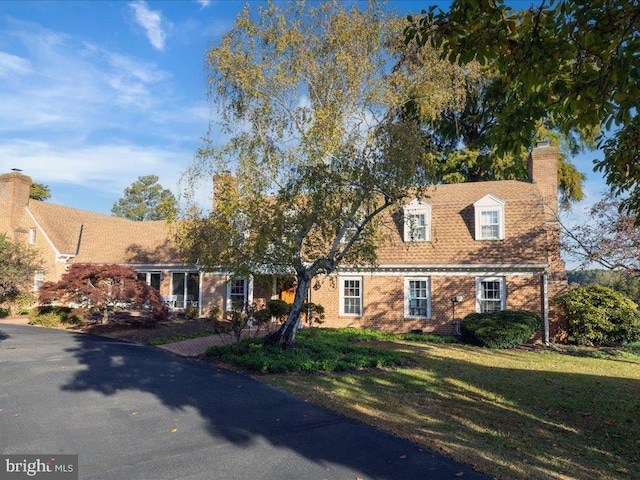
244	412
521	423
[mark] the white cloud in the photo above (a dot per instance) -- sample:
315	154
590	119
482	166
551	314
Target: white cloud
105	169
88	164
204	3
85	118
13	65
74	86
152	23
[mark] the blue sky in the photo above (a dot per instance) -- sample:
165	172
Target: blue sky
95	94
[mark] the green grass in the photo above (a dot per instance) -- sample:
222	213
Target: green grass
514	414
180	338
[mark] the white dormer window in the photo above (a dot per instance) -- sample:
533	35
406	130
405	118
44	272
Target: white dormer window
417	221
489	218
351	224
32	236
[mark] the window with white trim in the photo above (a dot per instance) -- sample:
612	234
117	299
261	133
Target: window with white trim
239	293
417	221
38	280
351	296
417	297
153	279
351	224
32	236
489	218
490	294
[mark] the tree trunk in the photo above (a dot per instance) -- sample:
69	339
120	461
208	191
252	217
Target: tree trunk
286	334
105	317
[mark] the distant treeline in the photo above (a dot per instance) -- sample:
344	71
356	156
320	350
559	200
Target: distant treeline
620	281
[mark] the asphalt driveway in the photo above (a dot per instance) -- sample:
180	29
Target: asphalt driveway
136	412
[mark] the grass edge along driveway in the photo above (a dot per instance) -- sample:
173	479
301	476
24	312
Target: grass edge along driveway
514	414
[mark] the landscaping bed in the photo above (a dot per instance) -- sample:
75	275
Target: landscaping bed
135	330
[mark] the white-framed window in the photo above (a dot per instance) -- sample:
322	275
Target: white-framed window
351	224
239	293
417	297
32	236
490	294
38	280
185	289
351	296
489	218
417	221
153	279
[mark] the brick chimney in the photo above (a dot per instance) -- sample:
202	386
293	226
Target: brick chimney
14	197
543	171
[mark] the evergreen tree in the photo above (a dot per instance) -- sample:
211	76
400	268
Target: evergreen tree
146	199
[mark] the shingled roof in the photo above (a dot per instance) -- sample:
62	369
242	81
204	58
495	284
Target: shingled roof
452	227
95	238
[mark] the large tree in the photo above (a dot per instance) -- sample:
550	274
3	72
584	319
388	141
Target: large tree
17	266
575	62
460	150
103	288
610	239
309	97
146	199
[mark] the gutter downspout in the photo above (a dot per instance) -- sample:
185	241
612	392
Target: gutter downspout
545	305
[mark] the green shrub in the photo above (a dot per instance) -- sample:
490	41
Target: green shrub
504	329
4	312
315	313
599	315
21	304
261	317
215	314
278	308
50	316
317	351
191	313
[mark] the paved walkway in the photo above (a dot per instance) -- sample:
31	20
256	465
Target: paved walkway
21	320
198	346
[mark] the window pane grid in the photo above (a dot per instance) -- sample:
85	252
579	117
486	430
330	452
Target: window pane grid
418	226
418	298
237	293
490	296
352	297
490	224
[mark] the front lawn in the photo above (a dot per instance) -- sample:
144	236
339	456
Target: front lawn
529	413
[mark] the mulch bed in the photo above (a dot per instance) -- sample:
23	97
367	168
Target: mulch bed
139	329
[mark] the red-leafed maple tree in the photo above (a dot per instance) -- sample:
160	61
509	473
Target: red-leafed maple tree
103	288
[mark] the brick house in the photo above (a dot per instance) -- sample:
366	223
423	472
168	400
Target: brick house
462	248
